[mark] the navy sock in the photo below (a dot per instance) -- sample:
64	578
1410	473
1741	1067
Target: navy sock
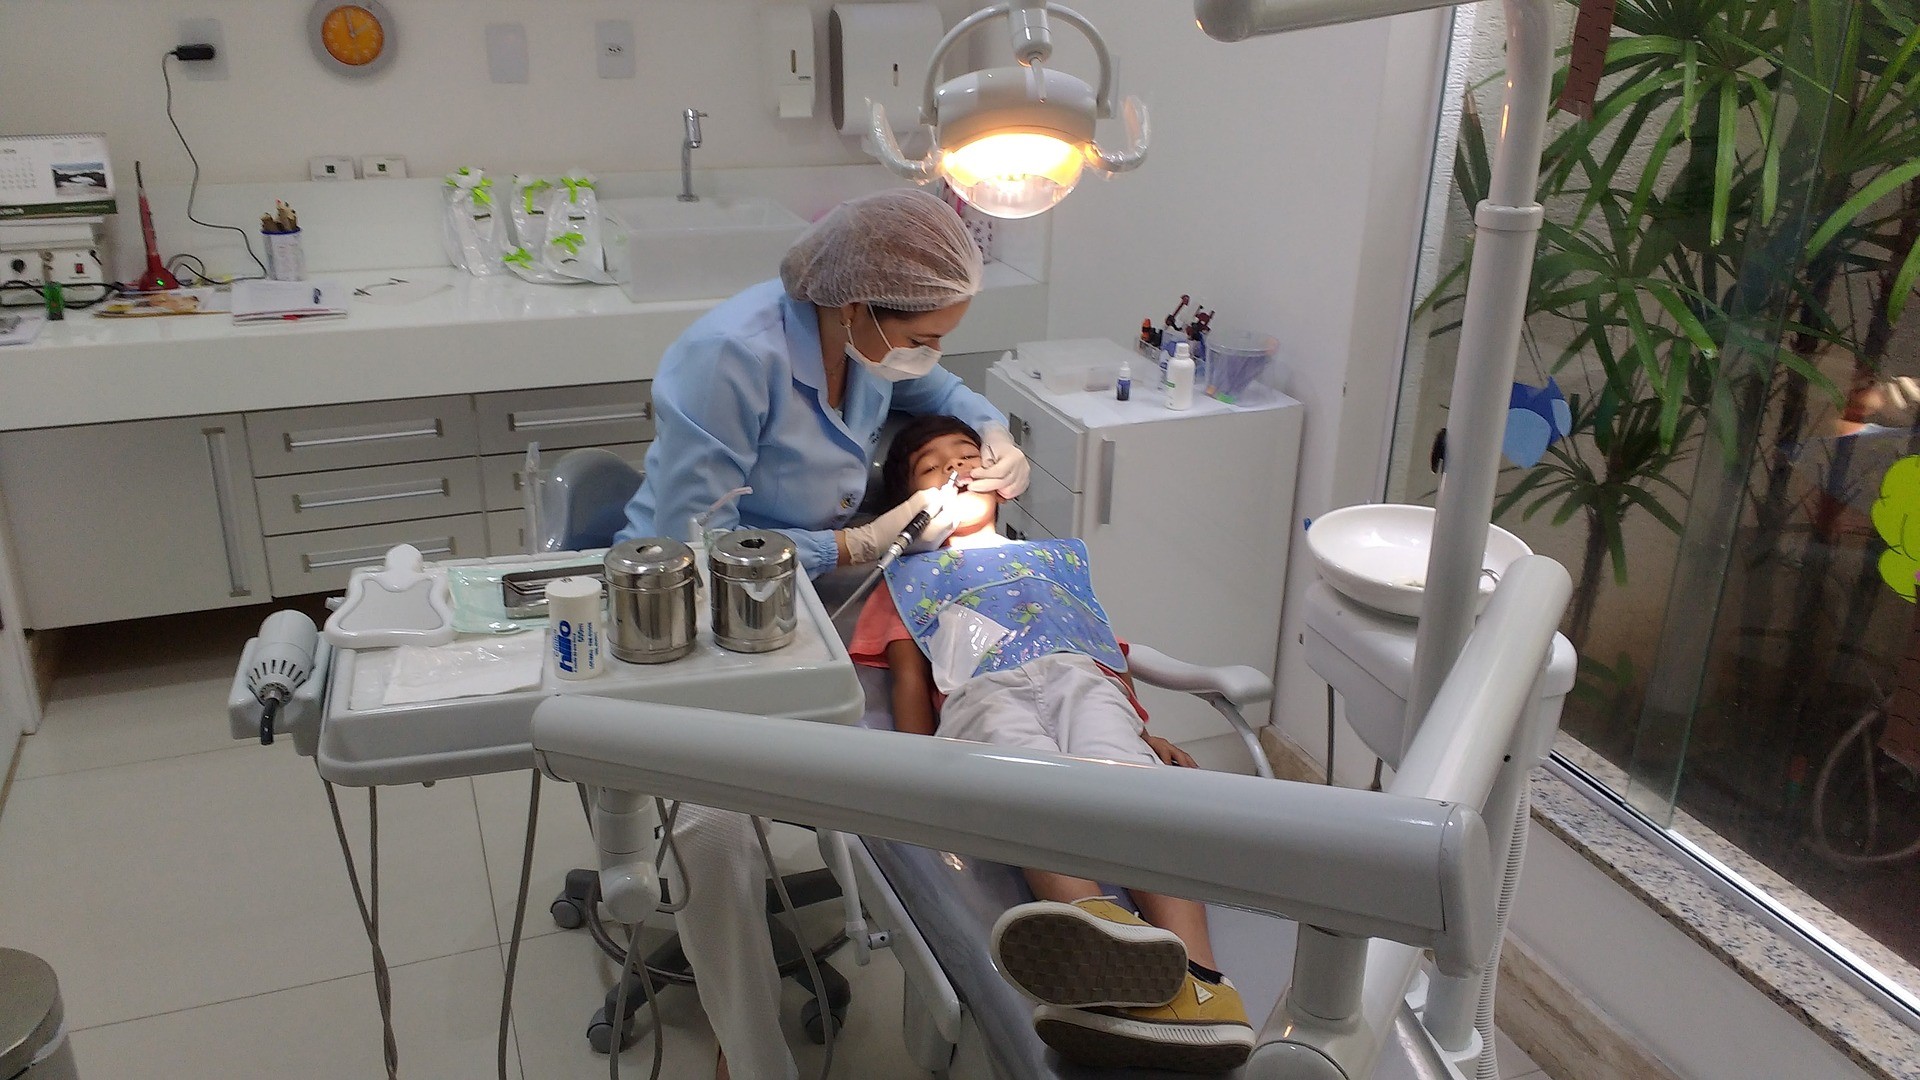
1204	974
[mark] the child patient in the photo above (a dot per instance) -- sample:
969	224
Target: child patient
1002	641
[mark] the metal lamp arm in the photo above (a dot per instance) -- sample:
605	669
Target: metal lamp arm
1031	45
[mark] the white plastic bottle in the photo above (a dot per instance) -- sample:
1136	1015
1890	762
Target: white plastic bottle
1180	377
579	627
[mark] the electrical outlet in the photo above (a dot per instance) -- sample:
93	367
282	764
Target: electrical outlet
613	48
330	168
383	167
203	32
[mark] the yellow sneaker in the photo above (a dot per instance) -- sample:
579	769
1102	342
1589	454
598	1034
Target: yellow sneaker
1203	1029
1090	952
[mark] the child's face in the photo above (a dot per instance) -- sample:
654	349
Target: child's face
937	460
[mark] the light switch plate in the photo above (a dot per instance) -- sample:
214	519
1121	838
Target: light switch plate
507	52
202	32
330	168
383	167
613	48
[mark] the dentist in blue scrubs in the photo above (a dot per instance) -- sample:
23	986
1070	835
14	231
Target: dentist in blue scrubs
784	389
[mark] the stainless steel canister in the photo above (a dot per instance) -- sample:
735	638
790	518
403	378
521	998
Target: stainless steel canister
753	590
650	587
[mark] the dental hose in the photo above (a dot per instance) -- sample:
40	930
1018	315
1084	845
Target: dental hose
1487	1068
894	551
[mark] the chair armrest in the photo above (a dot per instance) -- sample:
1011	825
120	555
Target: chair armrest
1238	684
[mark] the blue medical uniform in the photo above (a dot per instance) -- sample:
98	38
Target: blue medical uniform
741	401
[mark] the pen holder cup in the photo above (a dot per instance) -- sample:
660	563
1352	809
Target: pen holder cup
286	261
1235	361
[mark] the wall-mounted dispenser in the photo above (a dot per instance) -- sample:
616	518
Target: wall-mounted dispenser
879	52
787	33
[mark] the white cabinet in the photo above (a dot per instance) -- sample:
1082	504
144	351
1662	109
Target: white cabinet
1187	517
120	521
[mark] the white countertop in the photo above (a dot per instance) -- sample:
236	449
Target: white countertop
478	335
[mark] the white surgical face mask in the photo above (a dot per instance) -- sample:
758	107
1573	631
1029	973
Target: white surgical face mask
898	365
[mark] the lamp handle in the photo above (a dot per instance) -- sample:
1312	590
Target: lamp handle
1031	45
1138	131
887	148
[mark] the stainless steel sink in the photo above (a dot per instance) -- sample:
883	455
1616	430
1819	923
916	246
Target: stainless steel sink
664	249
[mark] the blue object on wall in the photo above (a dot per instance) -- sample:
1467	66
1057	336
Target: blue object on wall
1536	417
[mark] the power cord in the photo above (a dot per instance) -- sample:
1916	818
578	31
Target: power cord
193	190
107	290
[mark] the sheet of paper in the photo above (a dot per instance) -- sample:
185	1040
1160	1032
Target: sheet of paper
466	668
21	327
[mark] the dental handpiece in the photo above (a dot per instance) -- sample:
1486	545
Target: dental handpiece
900	544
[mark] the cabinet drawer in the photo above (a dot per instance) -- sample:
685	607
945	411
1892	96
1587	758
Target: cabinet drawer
1049	504
321	562
305	502
1017	524
503	485
1050	441
366	433
568	416
507	532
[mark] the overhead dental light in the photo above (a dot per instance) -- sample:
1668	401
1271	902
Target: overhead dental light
1014	141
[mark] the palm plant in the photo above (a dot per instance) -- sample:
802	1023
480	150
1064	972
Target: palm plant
1646	271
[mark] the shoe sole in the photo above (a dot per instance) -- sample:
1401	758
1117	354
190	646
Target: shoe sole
1065	956
1113	1042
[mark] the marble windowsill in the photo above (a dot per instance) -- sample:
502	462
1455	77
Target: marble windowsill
1856	1025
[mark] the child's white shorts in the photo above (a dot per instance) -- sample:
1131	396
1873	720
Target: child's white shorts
1063	702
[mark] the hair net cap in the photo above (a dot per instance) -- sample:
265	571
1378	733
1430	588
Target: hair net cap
902	249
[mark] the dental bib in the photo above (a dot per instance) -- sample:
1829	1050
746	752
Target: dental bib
980	610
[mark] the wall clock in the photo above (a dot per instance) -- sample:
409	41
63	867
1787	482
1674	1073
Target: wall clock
352	37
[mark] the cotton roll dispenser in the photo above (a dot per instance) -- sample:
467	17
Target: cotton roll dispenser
754	597
650	586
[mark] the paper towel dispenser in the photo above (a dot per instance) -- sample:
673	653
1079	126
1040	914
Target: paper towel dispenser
879	52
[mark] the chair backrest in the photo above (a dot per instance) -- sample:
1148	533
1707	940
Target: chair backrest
582	502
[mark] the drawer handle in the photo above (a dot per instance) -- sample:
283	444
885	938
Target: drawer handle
552	418
1017	428
367	556
1105	502
223	500
433	431
301	503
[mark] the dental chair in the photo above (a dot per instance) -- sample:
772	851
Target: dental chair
579	505
933	909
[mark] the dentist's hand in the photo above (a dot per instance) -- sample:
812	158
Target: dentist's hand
865	543
1006	467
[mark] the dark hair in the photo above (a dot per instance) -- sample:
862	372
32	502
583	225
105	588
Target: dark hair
896	473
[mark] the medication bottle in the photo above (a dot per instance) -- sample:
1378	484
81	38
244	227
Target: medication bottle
1123	383
56	302
1180	377
579	627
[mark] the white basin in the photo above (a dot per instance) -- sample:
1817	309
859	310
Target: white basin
1377	555
663	249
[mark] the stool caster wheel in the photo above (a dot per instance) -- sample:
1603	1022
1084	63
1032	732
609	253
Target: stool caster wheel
569	909
815	1023
566	913
600	1033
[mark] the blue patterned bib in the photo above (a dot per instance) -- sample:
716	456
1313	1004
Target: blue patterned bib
1039	591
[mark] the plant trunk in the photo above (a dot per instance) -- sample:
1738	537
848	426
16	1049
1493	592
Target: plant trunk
1586	593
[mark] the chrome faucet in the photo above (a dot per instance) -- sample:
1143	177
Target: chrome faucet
687	148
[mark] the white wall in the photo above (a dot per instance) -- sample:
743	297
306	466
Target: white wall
94	65
1284	187
1687	1006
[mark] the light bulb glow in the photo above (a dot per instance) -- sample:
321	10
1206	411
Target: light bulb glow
1014	174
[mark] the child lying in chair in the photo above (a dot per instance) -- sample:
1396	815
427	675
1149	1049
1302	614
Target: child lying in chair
1002	641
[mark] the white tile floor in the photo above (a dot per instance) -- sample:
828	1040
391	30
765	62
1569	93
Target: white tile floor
189	892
